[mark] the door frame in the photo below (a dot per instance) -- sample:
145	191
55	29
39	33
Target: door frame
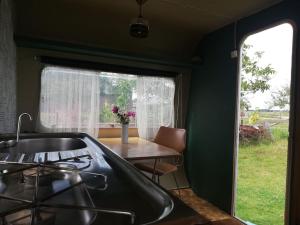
292	142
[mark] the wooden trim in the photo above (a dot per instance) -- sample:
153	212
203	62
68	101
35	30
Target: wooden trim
293	179
116	132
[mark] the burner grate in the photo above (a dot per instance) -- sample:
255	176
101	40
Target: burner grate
34	210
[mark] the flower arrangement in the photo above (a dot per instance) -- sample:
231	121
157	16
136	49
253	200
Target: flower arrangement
123	116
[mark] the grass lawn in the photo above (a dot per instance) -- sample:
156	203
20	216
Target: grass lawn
262	179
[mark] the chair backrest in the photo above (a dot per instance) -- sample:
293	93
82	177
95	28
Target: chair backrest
171	137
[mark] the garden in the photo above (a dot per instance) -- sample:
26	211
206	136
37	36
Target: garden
262	167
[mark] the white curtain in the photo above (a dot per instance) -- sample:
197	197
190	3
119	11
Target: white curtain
69	101
155	105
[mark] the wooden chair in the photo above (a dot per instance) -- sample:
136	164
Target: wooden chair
170	137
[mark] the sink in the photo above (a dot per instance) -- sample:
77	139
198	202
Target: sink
36	145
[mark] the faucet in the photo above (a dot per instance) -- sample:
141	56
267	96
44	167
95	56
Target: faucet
20	122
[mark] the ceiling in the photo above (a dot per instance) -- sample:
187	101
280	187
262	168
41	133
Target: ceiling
176	26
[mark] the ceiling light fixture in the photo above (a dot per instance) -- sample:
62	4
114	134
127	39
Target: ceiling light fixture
139	27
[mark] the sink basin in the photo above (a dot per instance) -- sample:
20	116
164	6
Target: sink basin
36	145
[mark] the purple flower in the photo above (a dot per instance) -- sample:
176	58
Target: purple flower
122	116
115	109
131	114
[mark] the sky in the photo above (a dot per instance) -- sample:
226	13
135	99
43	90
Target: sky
276	43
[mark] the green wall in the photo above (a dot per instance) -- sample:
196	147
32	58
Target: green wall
211	120
212	106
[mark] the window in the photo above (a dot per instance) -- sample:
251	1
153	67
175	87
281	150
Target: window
116	89
74	99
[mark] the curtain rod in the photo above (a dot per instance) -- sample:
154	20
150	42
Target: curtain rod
74	63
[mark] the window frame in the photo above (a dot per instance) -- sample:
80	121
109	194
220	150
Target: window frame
100	67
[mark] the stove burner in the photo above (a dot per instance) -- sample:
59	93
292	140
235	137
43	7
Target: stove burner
45	182
46	174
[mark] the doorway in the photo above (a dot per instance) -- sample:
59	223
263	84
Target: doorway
261	169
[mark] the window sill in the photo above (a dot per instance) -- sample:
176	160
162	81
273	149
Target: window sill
116	132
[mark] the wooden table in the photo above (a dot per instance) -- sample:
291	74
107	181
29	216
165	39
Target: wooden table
138	148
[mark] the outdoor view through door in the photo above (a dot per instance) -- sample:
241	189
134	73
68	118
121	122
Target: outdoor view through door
265	77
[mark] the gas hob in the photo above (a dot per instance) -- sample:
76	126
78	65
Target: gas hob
50	188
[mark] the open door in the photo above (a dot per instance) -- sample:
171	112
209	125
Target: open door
264	120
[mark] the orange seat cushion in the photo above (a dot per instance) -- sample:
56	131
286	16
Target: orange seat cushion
160	168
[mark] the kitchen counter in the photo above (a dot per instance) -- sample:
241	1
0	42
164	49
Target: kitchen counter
126	189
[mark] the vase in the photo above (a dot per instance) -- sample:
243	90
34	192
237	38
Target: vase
124	133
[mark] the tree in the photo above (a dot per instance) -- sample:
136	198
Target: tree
125	89
254	77
106	115
281	98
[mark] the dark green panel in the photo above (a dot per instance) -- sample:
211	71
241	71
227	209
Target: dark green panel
66	47
211	120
